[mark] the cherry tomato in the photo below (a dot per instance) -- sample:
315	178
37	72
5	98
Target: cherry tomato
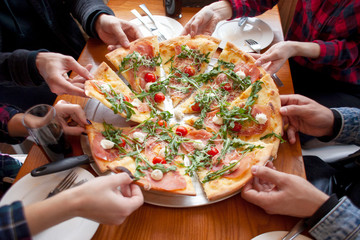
159	97
227	87
158	159
213	151
237	127
189	70
122	143
196	107
150	77
181	131
162	123
126	99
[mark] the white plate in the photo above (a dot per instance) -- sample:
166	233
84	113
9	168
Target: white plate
167	26
34	189
276	235
229	31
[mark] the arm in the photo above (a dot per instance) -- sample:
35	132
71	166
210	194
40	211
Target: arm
11	129
281	193
204	22
99	21
98	200
302	114
278	54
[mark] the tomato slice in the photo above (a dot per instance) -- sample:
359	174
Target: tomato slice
213	151
227	87
162	123
189	70
150	77
126	99
196	107
123	143
158	159
237	127
159	97
181	131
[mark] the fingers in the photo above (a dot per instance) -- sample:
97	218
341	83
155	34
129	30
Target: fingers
291	133
267	174
76	67
121	37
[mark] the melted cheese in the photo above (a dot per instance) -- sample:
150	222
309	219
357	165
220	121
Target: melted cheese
106	144
261	118
157	174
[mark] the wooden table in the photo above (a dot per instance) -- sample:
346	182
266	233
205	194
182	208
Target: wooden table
233	218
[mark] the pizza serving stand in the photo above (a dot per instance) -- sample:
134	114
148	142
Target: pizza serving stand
97	112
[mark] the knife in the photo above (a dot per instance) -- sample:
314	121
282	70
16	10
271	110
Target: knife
296	230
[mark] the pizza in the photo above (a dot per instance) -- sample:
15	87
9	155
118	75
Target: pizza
226	120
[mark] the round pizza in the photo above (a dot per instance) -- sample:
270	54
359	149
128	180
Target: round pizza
196	118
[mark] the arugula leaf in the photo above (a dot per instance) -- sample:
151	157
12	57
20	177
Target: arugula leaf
272	134
134	60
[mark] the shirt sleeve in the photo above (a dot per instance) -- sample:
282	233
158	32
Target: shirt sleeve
250	8
13	224
6	113
342	222
349	132
342	54
19	66
87	11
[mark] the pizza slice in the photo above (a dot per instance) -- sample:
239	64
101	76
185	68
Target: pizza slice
140	65
146	151
233	74
111	91
229	170
185	57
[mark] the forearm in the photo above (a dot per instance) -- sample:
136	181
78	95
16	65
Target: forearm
250	8
50	212
222	9
305	49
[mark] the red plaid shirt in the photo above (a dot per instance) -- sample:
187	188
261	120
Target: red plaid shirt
333	24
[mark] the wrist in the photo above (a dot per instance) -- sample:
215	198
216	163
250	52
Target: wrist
222	9
15	126
306	49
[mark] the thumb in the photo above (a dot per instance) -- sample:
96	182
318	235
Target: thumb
267	174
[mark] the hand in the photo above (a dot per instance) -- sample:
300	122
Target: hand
273	59
116	32
282	193
66	111
53	67
204	22
102	201
305	115
99	199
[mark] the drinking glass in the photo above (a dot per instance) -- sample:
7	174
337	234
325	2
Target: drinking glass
42	125
173	8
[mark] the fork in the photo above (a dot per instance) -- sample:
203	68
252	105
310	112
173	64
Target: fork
254	45
151	29
66	183
146	10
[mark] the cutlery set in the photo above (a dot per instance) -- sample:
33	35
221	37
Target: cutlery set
153	29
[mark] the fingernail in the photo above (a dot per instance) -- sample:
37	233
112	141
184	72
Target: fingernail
88	121
84	133
91	76
254	169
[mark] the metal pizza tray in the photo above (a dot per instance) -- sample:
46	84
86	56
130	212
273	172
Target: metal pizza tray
97	112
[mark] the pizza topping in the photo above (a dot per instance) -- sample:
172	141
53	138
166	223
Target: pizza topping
136	103
241	74
162	123
105	87
196	107
122	143
148	86
213	151
150	77
181	131
159	97
157	175
189	70
261	118
106	144
179	115
197	57
135	60
158	159
198	144
237	127
218	120
139	136
227	87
